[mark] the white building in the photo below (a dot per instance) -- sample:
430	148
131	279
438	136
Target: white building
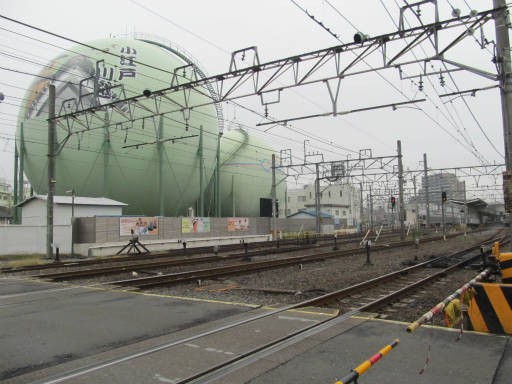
29	237
5	194
34	209
341	201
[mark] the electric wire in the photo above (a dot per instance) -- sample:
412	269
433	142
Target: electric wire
465	101
288	126
397	89
88	45
451	119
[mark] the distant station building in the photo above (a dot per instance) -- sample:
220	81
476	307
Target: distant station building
340	201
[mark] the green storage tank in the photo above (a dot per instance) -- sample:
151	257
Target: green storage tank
92	160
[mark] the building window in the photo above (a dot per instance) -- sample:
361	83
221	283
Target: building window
337	212
344	213
301	198
341	193
329	193
309	195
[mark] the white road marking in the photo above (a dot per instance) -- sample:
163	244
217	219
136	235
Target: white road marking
162	379
301	319
35	292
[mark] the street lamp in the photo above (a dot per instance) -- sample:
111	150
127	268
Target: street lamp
72	192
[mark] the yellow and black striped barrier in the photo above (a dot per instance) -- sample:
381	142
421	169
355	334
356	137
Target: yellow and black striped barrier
441	306
490	309
504	262
363	367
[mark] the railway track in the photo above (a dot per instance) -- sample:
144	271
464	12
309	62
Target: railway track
233	269
225	251
381	290
362	299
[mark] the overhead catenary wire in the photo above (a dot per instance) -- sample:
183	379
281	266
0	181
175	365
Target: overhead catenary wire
471	148
393	86
465	102
63	37
315	139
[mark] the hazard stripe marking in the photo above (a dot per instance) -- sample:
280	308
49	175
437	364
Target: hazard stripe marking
500	304
477	321
507	292
487	310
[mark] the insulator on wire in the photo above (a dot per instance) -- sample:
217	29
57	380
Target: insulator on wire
420	85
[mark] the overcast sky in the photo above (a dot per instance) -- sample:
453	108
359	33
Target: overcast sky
451	131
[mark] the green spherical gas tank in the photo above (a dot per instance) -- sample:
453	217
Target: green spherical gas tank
246	174
114	152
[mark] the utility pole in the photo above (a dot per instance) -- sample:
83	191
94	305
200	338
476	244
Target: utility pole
502	24
416	207
160	150
233	201
465	210
285	202
217	179
274	213
201	177
15	187
370	206
21	192
401	205
51	171
425	187
317	197
443	199
361	206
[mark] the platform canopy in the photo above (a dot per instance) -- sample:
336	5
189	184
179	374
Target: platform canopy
474	203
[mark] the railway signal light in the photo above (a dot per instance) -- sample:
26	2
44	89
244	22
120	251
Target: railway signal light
393	201
443	197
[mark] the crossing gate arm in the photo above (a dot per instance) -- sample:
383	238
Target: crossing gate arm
365	365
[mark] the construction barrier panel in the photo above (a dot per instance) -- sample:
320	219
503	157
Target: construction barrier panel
490	308
363	367
505	262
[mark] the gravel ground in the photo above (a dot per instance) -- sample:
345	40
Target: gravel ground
294	284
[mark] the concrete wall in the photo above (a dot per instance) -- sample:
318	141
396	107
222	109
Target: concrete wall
99	236
31	239
106	229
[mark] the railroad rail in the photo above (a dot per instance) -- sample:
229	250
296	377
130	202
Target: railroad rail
404	282
256	249
138	264
254	353
237	269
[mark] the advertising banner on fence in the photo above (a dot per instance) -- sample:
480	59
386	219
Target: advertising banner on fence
238	224
195	224
140	226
